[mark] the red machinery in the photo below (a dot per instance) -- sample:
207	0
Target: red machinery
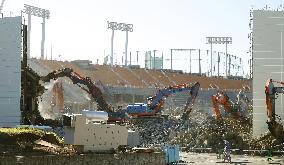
221	98
271	94
57	96
92	89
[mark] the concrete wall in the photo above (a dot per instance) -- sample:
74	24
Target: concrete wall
10	70
93	159
268	63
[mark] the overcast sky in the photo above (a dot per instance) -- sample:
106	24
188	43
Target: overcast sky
78	29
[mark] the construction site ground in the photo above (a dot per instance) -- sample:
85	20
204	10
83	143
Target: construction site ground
211	159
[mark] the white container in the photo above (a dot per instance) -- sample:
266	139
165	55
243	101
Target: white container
95	115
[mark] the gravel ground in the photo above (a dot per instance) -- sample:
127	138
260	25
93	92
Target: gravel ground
211	158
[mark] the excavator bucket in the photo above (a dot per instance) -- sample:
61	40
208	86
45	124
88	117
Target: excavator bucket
190	101
276	130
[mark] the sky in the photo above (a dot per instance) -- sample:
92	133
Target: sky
78	29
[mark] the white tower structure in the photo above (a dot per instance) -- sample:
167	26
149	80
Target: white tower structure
44	14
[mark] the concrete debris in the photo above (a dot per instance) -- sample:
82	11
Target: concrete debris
203	131
155	133
46	144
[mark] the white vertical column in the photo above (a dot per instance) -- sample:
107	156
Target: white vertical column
126	44
29	34
111	53
43	38
211	60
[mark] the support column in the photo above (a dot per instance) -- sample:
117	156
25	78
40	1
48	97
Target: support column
199	61
226	60
111	53
130	58
29	34
218	64
126	44
171	59
211	60
229	72
190	61
43	38
154	51
137	57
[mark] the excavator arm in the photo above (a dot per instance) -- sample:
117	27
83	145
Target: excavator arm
271	92
77	79
157	102
221	98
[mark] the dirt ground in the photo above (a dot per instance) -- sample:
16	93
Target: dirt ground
192	158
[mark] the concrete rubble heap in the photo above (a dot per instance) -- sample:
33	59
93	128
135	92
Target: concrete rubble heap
203	131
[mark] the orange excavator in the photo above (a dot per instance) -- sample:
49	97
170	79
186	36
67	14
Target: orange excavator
221	98
86	84
271	94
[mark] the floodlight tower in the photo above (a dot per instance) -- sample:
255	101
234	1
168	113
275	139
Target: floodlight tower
123	27
219	40
44	14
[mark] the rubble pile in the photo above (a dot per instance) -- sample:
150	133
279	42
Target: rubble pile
210	134
155	132
203	131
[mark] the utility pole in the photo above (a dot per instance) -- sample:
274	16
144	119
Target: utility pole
126	45
211	61
130	58
51	52
190	61
218	64
199	61
171	59
150	60
137	56
229	72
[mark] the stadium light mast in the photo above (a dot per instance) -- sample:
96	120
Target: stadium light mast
219	40
44	14
122	27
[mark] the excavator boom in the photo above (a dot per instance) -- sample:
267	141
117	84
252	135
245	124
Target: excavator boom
271	92
155	103
77	79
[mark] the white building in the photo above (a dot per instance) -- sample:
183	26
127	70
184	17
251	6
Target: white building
10	70
268	44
